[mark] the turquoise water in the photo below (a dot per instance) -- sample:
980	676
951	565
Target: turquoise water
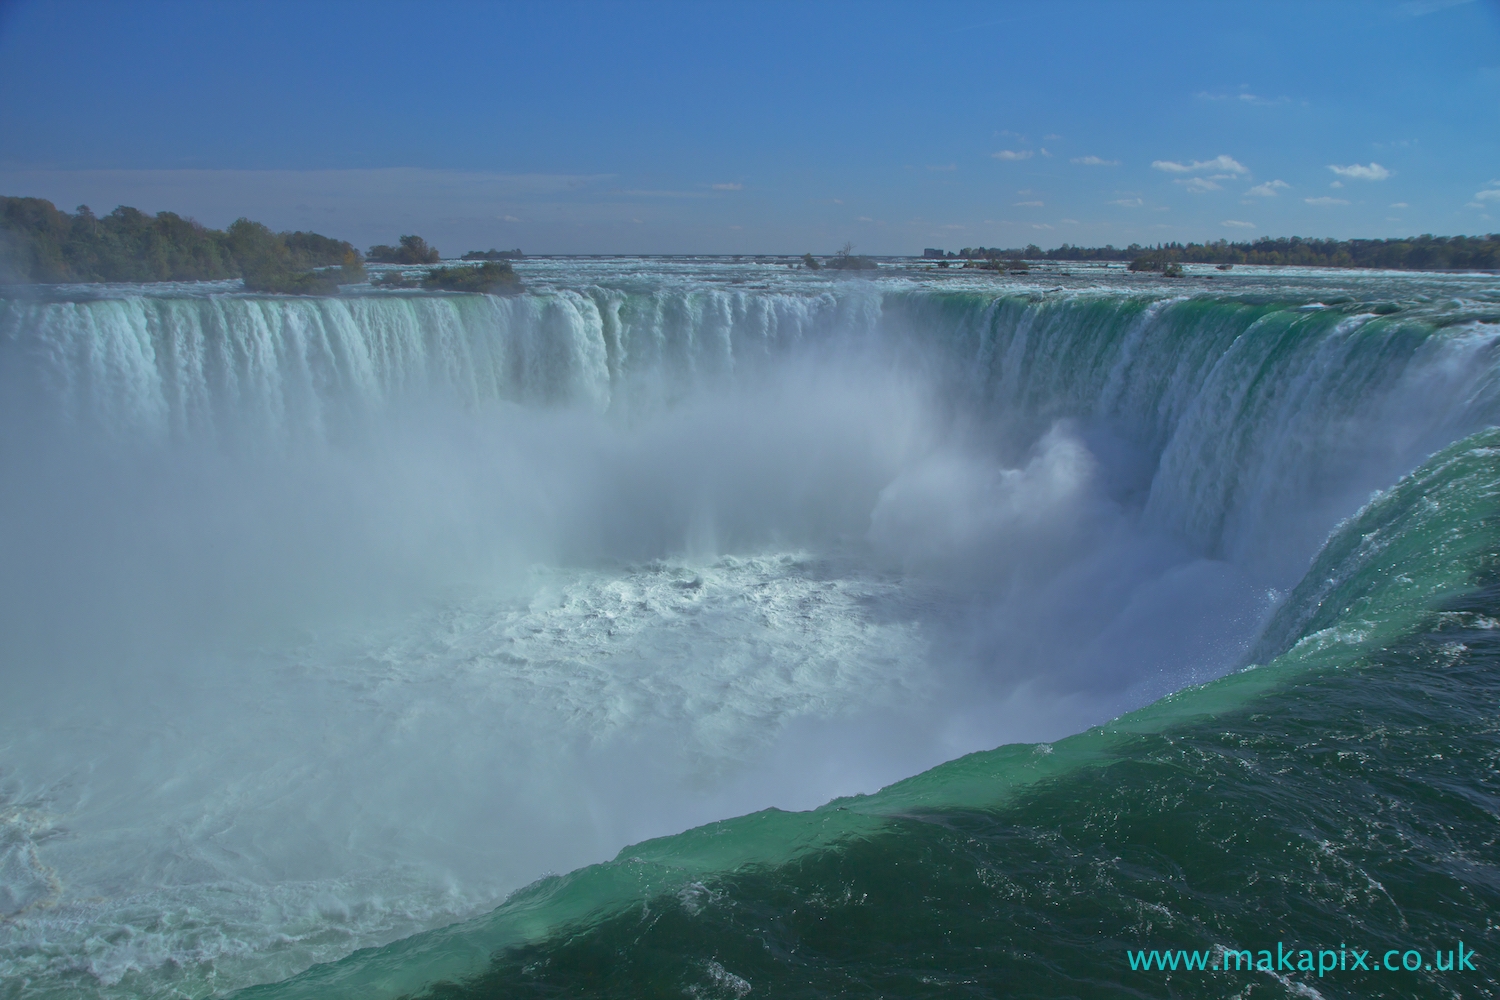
350	638
1344	792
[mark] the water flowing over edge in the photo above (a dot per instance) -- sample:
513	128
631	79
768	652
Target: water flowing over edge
1300	383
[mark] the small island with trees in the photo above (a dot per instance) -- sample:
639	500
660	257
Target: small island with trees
491	278
408	250
847	260
493	254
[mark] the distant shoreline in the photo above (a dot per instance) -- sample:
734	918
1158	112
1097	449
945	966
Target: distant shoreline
39	244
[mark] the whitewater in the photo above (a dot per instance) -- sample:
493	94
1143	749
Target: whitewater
330	623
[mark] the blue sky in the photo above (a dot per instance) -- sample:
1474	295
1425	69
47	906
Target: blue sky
763	127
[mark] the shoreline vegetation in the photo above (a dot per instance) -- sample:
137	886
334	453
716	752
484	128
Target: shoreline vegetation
1412	253
40	244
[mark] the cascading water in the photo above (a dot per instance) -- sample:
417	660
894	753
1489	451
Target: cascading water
329	621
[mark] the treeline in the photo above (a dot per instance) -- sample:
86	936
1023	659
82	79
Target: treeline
1413	253
1033	252
409	250
39	243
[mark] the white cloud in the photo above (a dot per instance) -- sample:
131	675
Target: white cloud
1199	185
1221	162
1358	172
1237	224
1491	195
1128	202
1337	184
642	193
1027	204
943	167
1095	161
730	186
1072	222
953	225
1399	204
1325	200
509	218
1268	189
1041	225
1050	136
1013	154
1044	151
1244	97
863	218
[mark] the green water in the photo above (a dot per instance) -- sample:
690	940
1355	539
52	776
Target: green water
1345	795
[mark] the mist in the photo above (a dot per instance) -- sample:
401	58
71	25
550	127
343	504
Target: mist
368	641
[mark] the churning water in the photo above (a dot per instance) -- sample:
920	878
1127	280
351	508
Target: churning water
328	622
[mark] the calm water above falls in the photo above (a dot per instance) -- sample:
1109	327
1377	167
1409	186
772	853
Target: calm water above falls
330	622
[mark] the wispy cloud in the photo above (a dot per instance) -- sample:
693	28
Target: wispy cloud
1040	225
1491	194
942	167
1222	162
1199	185
729	186
1095	161
1027	204
1245	97
1399	204
1268	189
1337	184
863	218
1128	202
1358	172
1013	154
1325	200
1237	224
644	193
